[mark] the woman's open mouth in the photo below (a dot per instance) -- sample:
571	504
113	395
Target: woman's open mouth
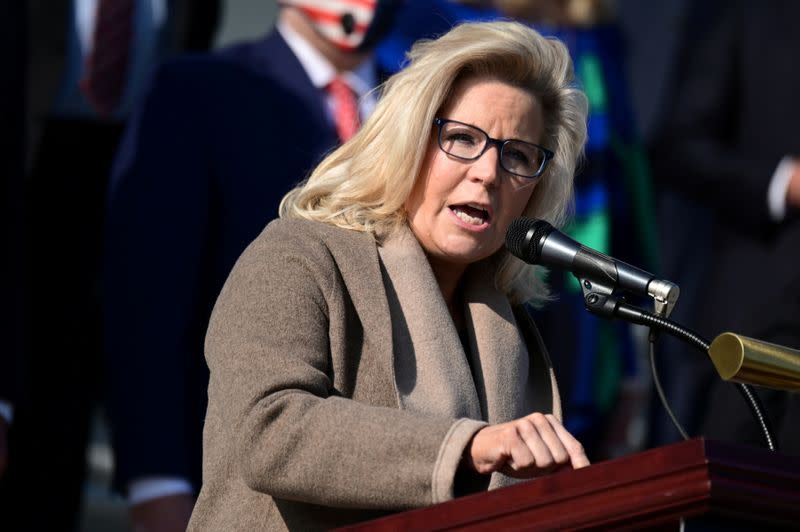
471	215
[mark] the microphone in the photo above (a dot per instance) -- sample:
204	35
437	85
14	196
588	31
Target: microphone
537	242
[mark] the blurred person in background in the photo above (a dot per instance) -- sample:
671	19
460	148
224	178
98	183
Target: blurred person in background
85	63
657	34
730	144
217	142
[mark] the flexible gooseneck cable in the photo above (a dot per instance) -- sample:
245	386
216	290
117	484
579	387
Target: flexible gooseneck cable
642	317
660	390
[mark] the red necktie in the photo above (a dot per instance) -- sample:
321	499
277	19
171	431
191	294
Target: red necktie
345	109
107	65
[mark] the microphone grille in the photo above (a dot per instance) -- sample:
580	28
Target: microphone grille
524	236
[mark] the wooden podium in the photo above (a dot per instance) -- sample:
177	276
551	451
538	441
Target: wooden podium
714	485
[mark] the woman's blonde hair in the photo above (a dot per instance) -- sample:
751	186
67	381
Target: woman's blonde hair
364	184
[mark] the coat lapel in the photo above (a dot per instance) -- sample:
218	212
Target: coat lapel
356	256
432	374
498	352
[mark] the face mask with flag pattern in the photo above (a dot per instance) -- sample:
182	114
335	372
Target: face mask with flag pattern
352	25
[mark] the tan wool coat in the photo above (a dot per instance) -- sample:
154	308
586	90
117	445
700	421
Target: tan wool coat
339	389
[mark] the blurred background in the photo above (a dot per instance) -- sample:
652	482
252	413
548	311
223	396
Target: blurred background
691	173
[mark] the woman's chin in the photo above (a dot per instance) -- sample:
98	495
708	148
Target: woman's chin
466	253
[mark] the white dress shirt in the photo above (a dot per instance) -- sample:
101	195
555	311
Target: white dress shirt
778	186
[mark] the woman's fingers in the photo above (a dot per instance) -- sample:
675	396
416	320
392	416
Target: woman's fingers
534	434
577	455
522	458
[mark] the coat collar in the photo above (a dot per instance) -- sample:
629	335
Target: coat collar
357	261
432	372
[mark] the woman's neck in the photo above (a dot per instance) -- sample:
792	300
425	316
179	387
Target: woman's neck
448	277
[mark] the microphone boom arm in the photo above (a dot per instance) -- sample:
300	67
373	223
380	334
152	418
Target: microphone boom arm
537	242
601	301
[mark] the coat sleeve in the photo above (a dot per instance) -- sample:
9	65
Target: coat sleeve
272	374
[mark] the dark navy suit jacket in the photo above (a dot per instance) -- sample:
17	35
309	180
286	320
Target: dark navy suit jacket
733	117
201	170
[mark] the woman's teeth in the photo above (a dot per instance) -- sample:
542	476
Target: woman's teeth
463	216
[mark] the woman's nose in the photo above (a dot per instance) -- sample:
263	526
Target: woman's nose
487	167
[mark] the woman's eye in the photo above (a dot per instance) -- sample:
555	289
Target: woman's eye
462	138
518	156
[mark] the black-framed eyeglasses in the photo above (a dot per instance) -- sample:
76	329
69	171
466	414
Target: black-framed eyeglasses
467	142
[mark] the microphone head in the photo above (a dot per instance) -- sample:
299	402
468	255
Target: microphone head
525	236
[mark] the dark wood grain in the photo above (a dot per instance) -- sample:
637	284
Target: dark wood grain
655	488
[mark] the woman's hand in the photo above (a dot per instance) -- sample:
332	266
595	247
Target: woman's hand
524	448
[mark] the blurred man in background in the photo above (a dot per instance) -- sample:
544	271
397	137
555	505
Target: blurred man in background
82	65
730	144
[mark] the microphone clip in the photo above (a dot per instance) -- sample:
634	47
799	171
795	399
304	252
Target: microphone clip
598	298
